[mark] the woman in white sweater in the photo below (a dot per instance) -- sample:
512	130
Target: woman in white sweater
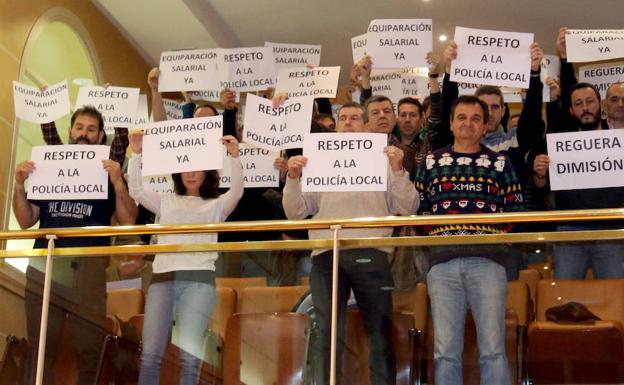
182	291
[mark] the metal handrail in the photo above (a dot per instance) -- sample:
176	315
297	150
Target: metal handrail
314	224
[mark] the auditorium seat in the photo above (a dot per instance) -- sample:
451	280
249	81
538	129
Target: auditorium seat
274	299
124	303
578	353
266	348
237	284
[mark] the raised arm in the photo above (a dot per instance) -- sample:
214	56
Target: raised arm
125	208
148	199
50	134
440	134
233	195
568	79
158	106
26	213
296	204
530	123
401	195
119	145
227	98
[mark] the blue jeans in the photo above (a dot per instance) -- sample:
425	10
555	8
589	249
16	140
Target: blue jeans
572	259
367	273
481	284
188	304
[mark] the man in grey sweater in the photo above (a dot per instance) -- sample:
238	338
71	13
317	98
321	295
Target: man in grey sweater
365	271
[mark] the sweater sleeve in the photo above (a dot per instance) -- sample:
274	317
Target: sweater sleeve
233	195
401	195
298	205
148	199
50	134
229	123
119	145
530	123
440	134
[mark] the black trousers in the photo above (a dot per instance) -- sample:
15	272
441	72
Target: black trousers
367	273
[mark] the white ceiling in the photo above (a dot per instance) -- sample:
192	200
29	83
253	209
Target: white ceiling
157	25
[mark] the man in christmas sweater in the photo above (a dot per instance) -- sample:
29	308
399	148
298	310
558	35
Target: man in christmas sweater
465	178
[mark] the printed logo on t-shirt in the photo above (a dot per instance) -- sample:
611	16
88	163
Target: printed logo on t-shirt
68	209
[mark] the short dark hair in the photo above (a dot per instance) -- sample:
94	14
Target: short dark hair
206	105
470	99
490	90
92	112
325	116
376	99
352	105
580	85
410	100
208	189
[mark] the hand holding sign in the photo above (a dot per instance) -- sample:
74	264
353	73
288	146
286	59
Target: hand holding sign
537	54
395	157
113	168
296	165
152	79
540	166
231	145
449	54
227	98
22	171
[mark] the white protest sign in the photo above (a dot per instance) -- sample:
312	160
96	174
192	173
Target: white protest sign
387	83
492	57
210	95
37	106
258	167
188	70
142	114
247	69
416	82
158	183
183	145
69	172
551	66
467	88
358	47
415	86
399	43
173	109
278	128
602	76
586	159
319	82
345	162
584	45
118	105
295	55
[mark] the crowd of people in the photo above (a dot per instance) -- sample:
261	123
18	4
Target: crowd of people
447	154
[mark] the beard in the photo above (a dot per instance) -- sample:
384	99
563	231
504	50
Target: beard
588	126
80	140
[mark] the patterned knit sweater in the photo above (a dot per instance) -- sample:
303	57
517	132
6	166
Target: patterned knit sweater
455	183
